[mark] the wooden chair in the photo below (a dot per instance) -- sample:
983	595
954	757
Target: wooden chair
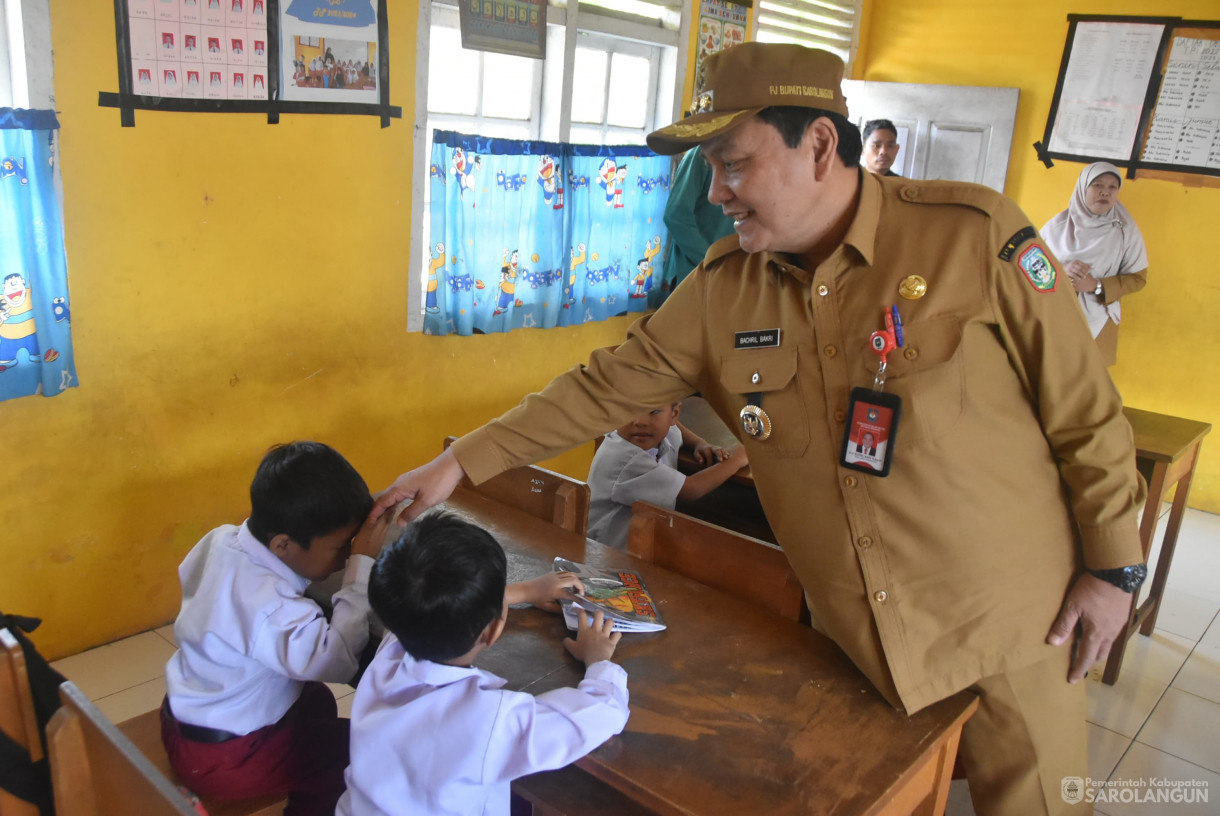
96	771
749	568
17	718
145	733
98	768
544	494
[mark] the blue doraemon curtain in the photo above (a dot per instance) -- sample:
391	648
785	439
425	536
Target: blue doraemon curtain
541	234
35	338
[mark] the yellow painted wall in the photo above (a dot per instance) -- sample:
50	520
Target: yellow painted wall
234	284
1169	330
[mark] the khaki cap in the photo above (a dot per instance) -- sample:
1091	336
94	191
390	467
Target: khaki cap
746	78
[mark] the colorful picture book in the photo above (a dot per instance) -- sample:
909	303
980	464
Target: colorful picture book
620	594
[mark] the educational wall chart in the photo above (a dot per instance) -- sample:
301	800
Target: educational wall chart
505	26
722	24
328	51
1104	88
1186	120
199	49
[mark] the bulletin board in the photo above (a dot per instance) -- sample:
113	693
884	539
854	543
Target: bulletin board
1141	93
252	56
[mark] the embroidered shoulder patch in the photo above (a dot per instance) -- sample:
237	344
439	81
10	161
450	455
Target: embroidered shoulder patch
1038	269
1010	247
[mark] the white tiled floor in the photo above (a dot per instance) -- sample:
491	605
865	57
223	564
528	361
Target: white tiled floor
1160	720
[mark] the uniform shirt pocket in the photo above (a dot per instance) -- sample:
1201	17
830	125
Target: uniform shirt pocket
772	374
927	374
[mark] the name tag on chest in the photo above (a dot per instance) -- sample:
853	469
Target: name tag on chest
763	338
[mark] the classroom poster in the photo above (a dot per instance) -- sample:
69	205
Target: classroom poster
722	24
329	51
1103	89
505	26
198	49
1186	121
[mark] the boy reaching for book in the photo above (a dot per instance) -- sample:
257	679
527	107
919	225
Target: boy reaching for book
639	461
431	733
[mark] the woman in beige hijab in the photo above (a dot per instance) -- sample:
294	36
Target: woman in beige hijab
1102	251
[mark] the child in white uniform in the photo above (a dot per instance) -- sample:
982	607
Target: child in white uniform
247	712
433	735
639	461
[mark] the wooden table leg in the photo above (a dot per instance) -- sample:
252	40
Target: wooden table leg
1152	507
1170	542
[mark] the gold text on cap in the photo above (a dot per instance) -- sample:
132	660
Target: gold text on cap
913	287
801	90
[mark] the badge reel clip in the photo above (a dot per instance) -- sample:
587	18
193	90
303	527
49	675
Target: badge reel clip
872	414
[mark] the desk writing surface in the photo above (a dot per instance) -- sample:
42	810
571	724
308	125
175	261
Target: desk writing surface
1163	437
733	708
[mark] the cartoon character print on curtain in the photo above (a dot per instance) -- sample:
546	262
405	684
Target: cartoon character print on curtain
541	234
35	336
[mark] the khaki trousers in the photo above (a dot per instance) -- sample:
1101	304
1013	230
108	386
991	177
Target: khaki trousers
1027	735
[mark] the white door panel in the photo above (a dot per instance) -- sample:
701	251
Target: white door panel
957	132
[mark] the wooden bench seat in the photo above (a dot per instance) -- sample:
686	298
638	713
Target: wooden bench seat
99	769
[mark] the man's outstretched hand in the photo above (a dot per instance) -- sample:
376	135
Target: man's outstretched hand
426	486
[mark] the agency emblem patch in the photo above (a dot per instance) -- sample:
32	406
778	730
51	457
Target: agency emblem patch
1038	269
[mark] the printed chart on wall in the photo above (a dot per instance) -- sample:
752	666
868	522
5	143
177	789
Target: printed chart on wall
1141	92
1103	89
1185	130
198	49
722	24
328	51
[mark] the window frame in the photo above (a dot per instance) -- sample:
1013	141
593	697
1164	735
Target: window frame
839	18
555	85
25	51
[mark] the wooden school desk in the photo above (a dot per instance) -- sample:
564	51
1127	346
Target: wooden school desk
734	709
1166	452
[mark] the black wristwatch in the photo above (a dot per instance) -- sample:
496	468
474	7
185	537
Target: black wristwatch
1128	579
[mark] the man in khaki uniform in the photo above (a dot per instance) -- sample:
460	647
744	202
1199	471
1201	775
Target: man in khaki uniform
1008	517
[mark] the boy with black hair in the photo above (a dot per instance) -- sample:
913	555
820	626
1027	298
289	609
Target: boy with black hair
247	712
431	733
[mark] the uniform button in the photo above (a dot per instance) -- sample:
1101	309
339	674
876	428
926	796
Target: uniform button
880	596
840	415
830	351
910	352
823	290
865	542
850	481
909	193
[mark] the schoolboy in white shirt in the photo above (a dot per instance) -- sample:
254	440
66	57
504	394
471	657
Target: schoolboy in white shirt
431	733
639	461
246	711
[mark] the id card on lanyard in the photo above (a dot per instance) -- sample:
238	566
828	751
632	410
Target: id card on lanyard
872	414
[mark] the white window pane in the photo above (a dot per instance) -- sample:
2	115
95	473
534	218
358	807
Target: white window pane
628	91
508	86
615	136
500	129
453	74
586	135
589	85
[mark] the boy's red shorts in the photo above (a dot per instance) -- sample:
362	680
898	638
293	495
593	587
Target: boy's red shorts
302	756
